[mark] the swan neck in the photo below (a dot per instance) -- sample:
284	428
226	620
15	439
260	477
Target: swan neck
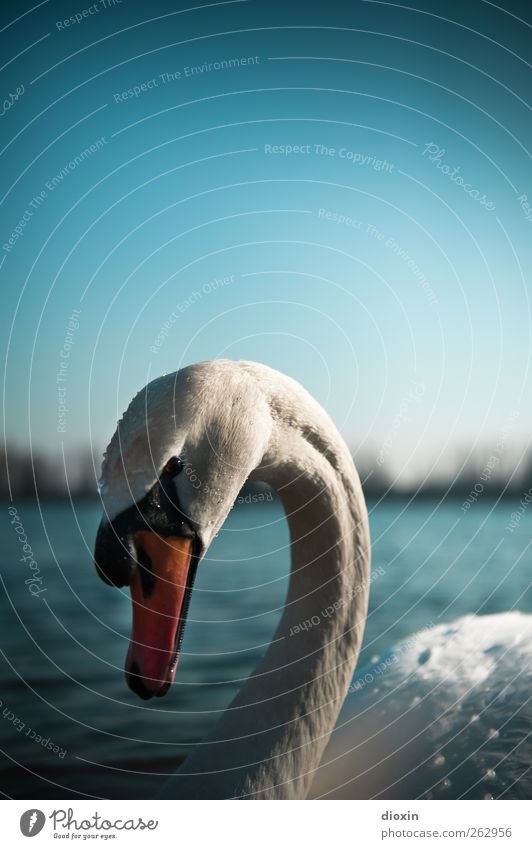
270	740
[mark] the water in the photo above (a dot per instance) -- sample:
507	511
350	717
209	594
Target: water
62	650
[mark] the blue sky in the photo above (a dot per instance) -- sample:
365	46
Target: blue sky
190	205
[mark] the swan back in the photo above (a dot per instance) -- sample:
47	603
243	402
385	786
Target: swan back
444	714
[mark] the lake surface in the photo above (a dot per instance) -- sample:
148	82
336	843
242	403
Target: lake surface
68	724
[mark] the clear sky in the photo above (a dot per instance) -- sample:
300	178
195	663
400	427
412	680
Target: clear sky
338	190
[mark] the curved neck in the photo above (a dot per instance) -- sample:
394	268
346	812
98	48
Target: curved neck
270	740
300	685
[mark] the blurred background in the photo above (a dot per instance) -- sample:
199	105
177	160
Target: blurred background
341	191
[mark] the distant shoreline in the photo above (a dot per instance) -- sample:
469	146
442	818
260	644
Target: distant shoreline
371	496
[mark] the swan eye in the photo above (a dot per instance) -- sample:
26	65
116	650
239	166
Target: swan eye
173	466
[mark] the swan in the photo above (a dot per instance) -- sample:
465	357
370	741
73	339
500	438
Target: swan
283	736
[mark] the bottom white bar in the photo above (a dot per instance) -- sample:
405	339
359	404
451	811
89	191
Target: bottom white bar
266	824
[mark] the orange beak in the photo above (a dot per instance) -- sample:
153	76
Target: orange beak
160	600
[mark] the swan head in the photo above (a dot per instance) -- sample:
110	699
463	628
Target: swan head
172	471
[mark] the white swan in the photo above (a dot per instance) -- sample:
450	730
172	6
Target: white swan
233	421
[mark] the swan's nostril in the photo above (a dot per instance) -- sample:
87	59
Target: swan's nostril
134	682
147	578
